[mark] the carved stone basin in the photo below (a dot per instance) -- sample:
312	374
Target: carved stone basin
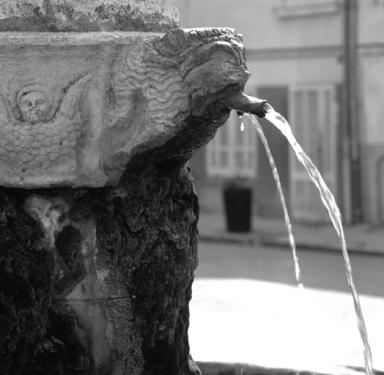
97	281
76	107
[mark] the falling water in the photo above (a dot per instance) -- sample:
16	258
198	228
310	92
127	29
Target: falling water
334	213
287	219
242	125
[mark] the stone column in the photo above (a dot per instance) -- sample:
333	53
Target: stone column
98	216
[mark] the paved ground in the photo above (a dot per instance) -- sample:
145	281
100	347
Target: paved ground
361	238
246	308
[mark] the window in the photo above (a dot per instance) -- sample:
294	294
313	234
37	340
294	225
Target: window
304	8
233	152
313	117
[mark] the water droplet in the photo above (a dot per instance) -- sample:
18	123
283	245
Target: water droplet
240	115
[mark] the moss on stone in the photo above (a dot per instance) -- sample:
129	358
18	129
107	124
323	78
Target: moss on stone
64	17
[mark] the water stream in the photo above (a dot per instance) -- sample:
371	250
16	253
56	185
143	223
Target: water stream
333	211
287	219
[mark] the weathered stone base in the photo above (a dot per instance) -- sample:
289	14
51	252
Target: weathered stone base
102	284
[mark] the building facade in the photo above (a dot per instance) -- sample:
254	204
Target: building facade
298	53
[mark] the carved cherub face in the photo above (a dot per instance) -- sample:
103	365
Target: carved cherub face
34	106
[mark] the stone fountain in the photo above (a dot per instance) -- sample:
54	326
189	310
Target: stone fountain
101	104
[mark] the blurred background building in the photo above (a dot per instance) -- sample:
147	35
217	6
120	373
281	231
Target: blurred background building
321	64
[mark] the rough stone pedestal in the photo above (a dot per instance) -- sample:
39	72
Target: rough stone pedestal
98	215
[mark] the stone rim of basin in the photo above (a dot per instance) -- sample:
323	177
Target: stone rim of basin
112	95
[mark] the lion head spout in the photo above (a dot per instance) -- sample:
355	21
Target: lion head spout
211	62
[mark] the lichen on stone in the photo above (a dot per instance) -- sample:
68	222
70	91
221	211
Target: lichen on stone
87	15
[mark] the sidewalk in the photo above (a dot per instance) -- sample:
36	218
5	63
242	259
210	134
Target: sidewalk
272	232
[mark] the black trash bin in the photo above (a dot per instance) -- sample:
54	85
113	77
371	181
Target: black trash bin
238	208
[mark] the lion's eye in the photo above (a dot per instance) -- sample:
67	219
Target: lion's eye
225	56
229	66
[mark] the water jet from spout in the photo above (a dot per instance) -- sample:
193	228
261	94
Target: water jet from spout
330	204
283	203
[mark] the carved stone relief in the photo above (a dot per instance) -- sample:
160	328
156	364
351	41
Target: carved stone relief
75	108
40	129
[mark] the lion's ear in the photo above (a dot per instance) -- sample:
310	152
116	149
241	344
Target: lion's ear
174	41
